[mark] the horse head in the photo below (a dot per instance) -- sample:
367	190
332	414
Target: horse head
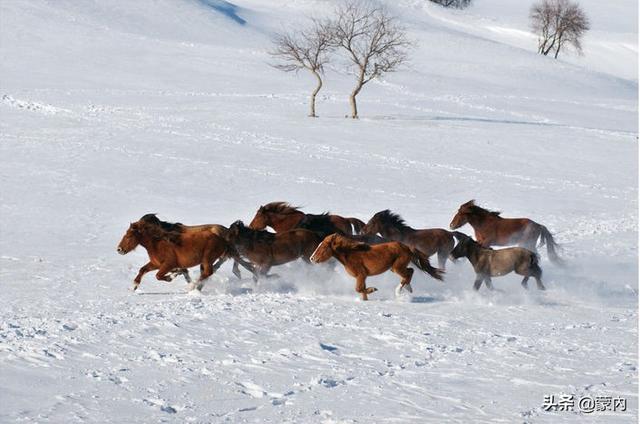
131	238
261	219
462	216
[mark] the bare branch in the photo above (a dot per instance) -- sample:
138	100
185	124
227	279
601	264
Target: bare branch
373	40
305	49
558	23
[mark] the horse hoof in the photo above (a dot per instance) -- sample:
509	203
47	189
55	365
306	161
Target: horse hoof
409	288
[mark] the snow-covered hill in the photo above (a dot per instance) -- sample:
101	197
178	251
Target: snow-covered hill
112	109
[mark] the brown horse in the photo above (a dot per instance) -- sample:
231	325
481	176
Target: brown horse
489	263
362	260
266	249
171	252
219	230
281	216
493	230
428	241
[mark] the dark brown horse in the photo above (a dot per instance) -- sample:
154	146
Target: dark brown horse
266	249
493	230
170	252
429	241
489	263
362	260
219	230
281	216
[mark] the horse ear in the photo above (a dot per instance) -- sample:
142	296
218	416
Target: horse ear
471	202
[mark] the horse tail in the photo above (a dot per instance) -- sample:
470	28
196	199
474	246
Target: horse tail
535	264
356	225
421	260
547	238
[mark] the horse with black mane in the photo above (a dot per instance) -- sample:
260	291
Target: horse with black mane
266	249
217	229
172	252
282	216
493	230
429	241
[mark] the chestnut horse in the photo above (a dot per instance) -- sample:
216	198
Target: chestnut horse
489	263
170	251
281	216
493	230
362	260
266	249
219	230
428	241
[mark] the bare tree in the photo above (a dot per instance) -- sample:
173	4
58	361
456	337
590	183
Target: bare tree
458	4
558	23
374	42
306	49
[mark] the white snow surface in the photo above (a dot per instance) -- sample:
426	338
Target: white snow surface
113	109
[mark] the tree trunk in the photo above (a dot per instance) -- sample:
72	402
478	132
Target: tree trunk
558	48
312	112
550	46
354	93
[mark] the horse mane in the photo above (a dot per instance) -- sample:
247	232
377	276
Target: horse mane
477	210
157	233
346	244
283	208
151	218
248	233
320	224
390	219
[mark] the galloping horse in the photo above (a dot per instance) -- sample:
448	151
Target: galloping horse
266	249
281	216
362	260
219	230
493	230
170	252
428	241
489	263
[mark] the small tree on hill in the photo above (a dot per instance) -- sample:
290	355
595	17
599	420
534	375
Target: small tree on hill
558	23
374	42
306	49
458	4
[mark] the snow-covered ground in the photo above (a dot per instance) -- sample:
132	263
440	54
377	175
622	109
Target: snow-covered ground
112	109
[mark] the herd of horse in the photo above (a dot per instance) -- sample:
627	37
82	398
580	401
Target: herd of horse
384	243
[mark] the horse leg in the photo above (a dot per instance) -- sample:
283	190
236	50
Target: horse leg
185	273
143	270
524	282
246	265
478	282
206	270
406	274
488	283
361	287
536	272
442	258
236	270
163	272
